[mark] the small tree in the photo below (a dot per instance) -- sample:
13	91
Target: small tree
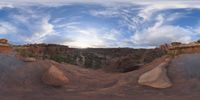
198	41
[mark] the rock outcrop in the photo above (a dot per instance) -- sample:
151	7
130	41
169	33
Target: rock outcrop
4	46
156	77
55	77
177	48
3	41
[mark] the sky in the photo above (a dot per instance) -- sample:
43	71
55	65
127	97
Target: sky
100	23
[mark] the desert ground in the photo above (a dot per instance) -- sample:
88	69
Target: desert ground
21	80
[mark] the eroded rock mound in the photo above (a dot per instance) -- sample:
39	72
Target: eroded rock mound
156	77
55	77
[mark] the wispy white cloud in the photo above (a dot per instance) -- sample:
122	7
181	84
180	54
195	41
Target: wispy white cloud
43	29
31	26
152	7
127	14
91	37
161	33
6	28
4	4
151	12
160	4
133	14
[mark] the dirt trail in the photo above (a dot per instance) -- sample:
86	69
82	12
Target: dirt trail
22	81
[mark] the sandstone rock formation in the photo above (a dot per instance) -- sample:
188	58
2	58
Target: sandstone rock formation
4	46
156	77
3	41
55	77
177	48
5	49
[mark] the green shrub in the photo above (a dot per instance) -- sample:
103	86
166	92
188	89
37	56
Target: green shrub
58	58
198	41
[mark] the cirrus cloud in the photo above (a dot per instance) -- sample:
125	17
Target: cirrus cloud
113	23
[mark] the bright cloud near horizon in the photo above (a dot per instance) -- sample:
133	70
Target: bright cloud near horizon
100	24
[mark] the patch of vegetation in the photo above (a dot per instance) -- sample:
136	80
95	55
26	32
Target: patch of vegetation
58	58
93	61
25	53
198	41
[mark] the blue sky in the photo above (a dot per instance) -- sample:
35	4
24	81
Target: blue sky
105	23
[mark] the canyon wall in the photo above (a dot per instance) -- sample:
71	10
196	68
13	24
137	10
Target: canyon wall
5	49
191	48
109	59
4	46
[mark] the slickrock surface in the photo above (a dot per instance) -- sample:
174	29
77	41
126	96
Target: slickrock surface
156	77
22	81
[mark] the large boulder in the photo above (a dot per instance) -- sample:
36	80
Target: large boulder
55	77
157	77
